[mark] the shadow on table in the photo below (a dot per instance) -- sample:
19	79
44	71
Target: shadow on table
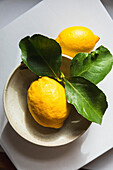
16	145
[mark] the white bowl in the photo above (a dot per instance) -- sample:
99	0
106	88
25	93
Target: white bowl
19	117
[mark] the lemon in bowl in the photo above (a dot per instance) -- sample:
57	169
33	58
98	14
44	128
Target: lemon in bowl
47	102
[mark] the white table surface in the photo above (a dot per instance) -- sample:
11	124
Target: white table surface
11	9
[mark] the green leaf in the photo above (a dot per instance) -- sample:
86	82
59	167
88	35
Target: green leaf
41	55
94	66
87	98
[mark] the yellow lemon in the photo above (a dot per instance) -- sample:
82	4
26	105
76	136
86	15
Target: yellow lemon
47	102
77	39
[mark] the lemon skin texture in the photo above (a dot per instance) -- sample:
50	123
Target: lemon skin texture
77	39
47	102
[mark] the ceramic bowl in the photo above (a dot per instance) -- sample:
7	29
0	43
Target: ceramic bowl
18	115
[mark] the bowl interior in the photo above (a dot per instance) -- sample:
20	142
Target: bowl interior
17	112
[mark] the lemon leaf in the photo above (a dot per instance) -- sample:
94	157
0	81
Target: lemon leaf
41	55
94	66
87	98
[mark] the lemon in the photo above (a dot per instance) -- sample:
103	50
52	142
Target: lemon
77	39
47	102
